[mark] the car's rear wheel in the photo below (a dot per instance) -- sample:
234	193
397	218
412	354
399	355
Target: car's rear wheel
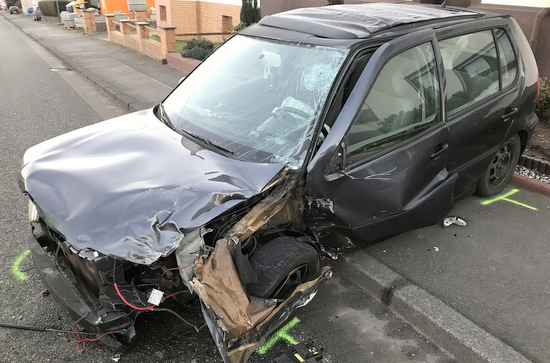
281	265
500	170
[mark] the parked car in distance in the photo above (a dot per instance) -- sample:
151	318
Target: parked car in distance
37	14
14	10
310	133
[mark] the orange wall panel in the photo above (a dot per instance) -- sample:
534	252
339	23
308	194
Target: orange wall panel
110	6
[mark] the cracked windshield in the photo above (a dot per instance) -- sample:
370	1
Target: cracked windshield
257	100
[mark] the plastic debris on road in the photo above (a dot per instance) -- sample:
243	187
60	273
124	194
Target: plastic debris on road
454	220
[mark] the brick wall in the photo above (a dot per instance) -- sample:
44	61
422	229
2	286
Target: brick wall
183	15
194	19
136	37
212	13
166	4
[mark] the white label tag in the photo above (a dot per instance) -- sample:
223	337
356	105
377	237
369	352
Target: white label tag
156	297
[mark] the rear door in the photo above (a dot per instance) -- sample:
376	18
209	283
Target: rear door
483	85
381	169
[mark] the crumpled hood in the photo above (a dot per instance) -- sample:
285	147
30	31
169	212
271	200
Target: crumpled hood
129	189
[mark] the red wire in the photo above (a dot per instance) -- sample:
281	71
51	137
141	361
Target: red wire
175	293
178	268
81	343
170	269
130	305
141	308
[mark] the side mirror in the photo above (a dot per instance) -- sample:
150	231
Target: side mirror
337	162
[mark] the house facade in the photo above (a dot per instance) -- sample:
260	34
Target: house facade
213	19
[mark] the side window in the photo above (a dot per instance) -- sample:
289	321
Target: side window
507	57
471	69
403	101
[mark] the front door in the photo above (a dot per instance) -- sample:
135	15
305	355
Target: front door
381	169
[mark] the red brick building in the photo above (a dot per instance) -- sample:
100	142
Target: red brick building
213	19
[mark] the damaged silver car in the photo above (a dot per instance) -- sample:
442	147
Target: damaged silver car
307	134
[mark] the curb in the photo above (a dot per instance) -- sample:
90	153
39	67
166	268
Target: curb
539	165
186	65
128	102
426	313
531	184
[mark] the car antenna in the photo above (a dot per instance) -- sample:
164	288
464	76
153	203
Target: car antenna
444	4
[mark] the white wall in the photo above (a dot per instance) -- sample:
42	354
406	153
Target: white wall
28	4
535	3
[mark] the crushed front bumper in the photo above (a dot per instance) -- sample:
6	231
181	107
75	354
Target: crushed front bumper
66	296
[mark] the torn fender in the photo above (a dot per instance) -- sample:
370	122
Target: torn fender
238	323
240	349
219	286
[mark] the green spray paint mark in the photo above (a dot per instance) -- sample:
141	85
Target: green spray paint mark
281	334
15	268
505	197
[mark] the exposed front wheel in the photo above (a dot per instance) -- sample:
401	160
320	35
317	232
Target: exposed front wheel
500	170
281	265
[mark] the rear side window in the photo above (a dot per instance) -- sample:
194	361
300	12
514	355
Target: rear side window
471	69
507	57
403	101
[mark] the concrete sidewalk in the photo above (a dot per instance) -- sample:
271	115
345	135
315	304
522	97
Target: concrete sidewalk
479	291
483	287
132	79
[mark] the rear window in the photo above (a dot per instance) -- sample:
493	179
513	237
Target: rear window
507	58
471	69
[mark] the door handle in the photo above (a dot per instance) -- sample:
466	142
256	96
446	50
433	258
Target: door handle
439	150
509	112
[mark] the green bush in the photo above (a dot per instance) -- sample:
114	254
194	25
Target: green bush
49	7
197	49
335	2
239	27
543	99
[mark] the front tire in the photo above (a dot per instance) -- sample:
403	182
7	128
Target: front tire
500	170
281	265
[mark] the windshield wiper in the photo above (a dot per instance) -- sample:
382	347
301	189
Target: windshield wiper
208	142
164	117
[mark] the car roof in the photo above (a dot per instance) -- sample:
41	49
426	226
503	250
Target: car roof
361	21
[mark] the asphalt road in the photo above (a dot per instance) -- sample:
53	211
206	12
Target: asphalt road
41	98
494	271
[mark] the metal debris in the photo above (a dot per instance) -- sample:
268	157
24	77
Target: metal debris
454	220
